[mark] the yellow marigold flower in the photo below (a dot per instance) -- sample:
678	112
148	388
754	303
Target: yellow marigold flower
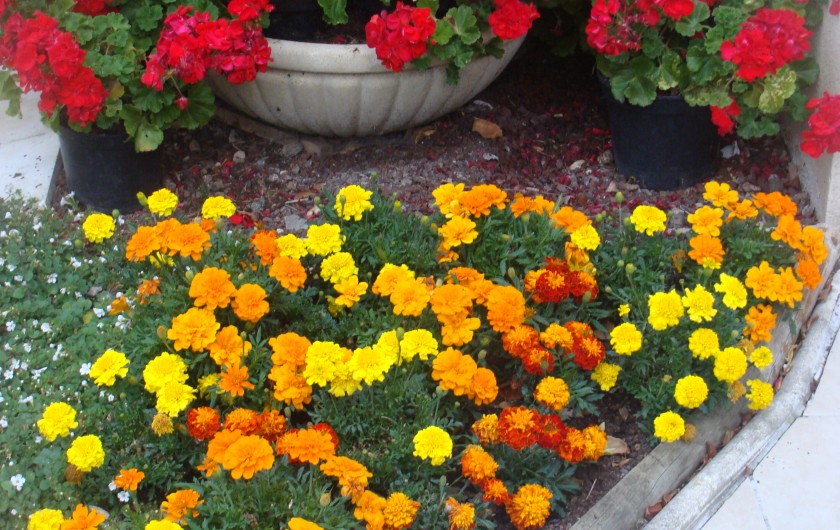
162	424
57	420
596	442
321	360
691	391
291	246
249	303
216	207
461	516
447	197
552	392
324	239
605	374
212	288
788	230
669	426
410	297
760	323
98	227
623	310
338	267
666	309
107	367
760	394
162	202
730	364
289	272
813	244
181	504
706	220
529	507
246	456
505	308
586	237
626	339
161	525
196	329
369	364
164	368
761	357
350	290
418	343
83	519
700	304
458	231
433	444
389	277
648	219
296	523
351	202
788	288
809	272
762	280
86	453
706	251
734	292
173	398
775	203
306	446
720	194
400	511
129	479
45	519
187	240
704	343
352	476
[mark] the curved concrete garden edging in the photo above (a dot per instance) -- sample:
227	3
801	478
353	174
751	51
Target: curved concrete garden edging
669	466
343	90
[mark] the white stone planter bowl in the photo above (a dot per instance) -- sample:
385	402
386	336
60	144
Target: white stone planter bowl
343	90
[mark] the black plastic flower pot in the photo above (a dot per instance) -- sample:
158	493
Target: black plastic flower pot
296	20
105	172
666	145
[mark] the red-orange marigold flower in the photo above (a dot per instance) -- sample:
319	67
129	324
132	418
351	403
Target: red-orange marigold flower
203	423
518	427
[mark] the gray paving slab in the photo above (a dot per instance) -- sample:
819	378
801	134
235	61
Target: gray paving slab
742	511
826	400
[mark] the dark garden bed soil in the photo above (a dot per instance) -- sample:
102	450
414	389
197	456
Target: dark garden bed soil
555	142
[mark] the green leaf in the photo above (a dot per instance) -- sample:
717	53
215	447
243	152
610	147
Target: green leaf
466	25
807	70
751	124
200	108
443	32
335	11
148	17
693	23
635	82
704	67
796	107
777	89
670	71
715	94
148	137
431	4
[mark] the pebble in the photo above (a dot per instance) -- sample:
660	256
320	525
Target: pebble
291	149
774	183
239	157
295	223
194	146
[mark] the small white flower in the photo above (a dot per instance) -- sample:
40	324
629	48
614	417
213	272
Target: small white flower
8	374
84	382
123	496
4	422
15	364
85	368
26	400
8	215
99	312
10	267
111	398
46	328
39	439
27	347
18	481
52	278
18	278
112	486
3	233
36	226
75	262
10	326
13	511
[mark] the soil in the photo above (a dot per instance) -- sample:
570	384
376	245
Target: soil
555	142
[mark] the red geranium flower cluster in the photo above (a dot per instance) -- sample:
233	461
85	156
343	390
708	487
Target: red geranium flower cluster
50	61
401	36
190	44
723	117
511	19
611	28
768	40
92	7
823	134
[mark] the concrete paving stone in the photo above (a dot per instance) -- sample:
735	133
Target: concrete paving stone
796	483
28	165
826	400
741	511
13	128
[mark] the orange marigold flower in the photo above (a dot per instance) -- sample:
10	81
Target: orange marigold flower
216	450
447	197
789	231
487	429
249	302
454	371
458	330
569	219
229	347
196	329
129	479
529	507
234	380
775	203
352	476
505	308
212	288
457	231
410	297
246	456
557	336
389	277
484	387
272	424
742	210
518	427
289	348
290	387
306	446
148	288
83	519
400	511
788	288
596	442
265	241
370	508
143	243
813	245
296	523
706	251
496	492
478	200
760	323
572	447
203	423
289	272
461	516
809	273
246	421
451	300
762	280
181	504
706	220
188	240
520	340
478	466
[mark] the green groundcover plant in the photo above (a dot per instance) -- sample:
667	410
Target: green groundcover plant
384	370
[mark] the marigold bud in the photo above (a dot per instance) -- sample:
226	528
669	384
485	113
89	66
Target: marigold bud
161	424
629	269
72	475
619	197
397	206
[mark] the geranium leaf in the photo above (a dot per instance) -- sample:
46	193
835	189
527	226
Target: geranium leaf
335	11
443	32
807	70
693	23
777	89
635	83
200	108
466	25
148	137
